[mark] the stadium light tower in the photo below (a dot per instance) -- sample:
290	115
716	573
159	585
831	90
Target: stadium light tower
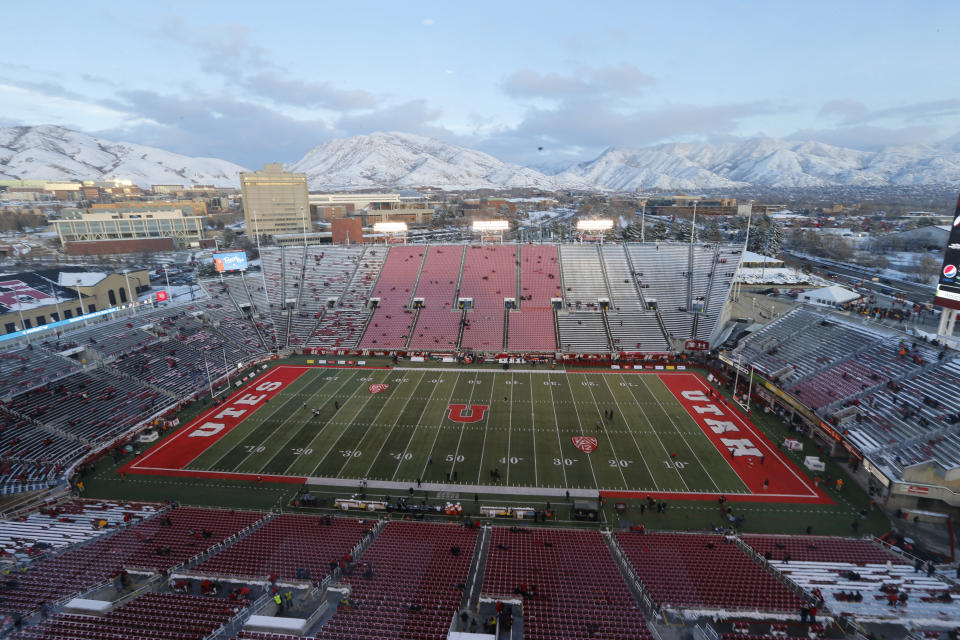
394	228
598	225
490	228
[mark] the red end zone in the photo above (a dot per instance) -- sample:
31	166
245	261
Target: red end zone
173	454
768	474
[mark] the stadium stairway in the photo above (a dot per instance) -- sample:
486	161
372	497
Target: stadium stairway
416	317
474	581
630	576
606	327
643	300
188	566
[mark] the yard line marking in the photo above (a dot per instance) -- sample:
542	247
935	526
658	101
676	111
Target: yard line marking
582	432
486	428
370	424
657	434
679	433
606	433
630	431
456	452
262	421
556	421
393	426
297	431
438	427
509	431
338	438
533	433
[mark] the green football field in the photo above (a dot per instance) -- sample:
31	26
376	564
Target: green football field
327	423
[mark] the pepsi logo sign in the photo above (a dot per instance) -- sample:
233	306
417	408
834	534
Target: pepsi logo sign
950	271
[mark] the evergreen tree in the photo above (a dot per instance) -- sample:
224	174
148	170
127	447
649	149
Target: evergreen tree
681	231
657	233
711	232
774	240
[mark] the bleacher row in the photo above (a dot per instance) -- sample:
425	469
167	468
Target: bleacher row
410	582
884	390
636	297
63	394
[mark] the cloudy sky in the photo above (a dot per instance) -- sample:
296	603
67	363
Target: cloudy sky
541	83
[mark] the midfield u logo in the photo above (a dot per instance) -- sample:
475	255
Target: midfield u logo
460	413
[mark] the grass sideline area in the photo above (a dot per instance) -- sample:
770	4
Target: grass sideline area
102	479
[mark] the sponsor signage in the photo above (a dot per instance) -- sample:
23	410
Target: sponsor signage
378	387
230	261
948	286
161	296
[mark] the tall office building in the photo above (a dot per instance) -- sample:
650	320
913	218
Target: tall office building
278	198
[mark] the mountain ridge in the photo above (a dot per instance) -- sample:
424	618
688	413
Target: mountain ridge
394	160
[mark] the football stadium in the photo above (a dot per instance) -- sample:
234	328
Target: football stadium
479	440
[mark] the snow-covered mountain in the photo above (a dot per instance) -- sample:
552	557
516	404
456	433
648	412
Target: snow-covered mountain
392	160
399	160
767	162
53	153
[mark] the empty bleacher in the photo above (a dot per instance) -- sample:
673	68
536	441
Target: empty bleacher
531	328
583	282
703	571
803	342
160	543
578	585
66	524
662	269
166	616
92	405
390	325
411	564
582	332
286	544
438	322
489	276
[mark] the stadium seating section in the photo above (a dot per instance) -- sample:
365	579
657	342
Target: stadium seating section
881	388
703	571
412	580
577	584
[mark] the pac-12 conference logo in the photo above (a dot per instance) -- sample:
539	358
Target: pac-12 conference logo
950	271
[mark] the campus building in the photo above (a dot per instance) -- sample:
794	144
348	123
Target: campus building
35	298
278	200
126	231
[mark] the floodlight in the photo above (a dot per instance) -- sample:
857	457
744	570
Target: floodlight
490	225
602	224
390	227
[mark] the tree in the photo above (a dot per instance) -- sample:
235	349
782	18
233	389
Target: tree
229	235
633	232
711	233
681	231
657	233
773	240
